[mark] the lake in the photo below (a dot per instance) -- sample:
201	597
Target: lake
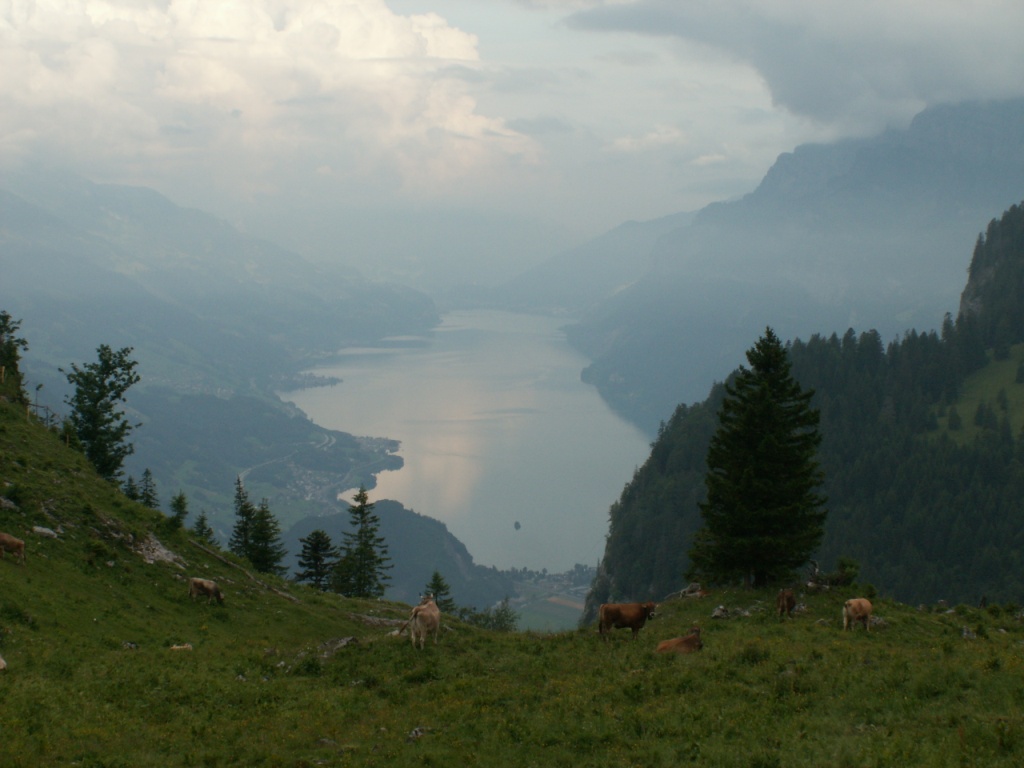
501	440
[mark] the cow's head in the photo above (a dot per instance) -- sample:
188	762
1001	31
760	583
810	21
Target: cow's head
649	610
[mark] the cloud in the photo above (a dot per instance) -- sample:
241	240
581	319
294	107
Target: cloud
351	90
841	63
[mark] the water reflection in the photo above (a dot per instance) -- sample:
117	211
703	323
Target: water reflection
496	428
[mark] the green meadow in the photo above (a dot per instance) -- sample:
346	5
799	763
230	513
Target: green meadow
280	675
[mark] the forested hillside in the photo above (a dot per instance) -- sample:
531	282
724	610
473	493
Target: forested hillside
923	452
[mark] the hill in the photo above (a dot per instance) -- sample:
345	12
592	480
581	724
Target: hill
280	675
922	451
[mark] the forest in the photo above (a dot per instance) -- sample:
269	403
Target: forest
923	454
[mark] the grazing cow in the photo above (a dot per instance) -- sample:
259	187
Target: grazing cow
200	587
685	644
425	618
857	609
785	602
10	544
620	615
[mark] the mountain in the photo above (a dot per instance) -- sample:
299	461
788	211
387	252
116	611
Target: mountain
865	233
180	285
576	279
922	447
218	321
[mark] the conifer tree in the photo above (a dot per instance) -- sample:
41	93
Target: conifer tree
130	488
317	559
245	514
179	511
266	552
763	517
147	491
11	347
100	426
362	569
202	529
439	588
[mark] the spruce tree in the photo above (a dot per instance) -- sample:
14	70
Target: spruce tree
100	426
317	559
147	491
179	511
362	569
130	489
245	513
11	347
763	516
266	552
202	529
439	588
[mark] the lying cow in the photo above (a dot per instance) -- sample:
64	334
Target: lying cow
10	544
204	587
857	609
425	618
620	615
685	644
785	602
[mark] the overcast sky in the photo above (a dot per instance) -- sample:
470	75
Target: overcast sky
556	119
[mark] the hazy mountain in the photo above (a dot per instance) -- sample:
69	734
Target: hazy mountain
867	234
89	263
577	278
217	320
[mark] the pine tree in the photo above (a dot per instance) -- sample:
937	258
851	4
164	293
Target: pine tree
147	491
763	517
100	427
130	488
11	347
362	569
202	529
266	552
245	513
317	559
439	588
179	511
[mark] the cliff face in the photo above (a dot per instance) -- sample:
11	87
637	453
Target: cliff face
995	284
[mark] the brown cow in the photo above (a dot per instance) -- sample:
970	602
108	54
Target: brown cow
785	602
200	587
857	609
685	644
425	618
10	544
621	615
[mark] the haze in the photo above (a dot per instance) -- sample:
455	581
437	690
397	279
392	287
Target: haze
420	139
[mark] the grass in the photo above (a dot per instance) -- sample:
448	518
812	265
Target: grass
87	626
983	387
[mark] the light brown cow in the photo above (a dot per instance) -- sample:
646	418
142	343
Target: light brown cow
425	618
785	602
204	587
685	644
620	615
857	609
10	544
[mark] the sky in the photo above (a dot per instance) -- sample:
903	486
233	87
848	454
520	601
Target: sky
432	137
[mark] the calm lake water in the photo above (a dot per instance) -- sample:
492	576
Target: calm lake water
500	438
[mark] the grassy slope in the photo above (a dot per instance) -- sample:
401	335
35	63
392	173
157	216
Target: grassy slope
983	387
255	691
